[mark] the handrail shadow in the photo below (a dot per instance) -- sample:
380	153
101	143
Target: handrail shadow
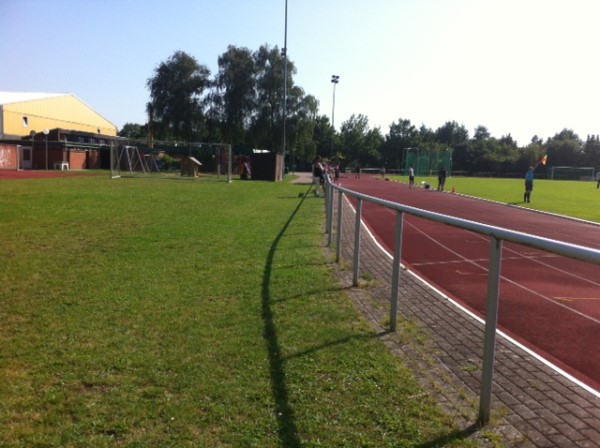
288	431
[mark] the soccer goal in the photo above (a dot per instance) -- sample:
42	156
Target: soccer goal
571	173
184	160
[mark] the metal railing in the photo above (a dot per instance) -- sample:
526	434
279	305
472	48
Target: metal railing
497	237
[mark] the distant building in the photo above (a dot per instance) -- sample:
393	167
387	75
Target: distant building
21	113
51	130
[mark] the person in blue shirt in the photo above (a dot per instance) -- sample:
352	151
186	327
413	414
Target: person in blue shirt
528	185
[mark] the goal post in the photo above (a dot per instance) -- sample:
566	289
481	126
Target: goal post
212	161
571	173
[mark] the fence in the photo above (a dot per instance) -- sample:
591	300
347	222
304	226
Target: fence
497	237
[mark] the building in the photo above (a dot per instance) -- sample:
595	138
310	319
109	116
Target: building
51	130
21	113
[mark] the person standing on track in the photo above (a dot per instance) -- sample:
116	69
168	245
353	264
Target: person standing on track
411	177
441	178
528	185
357	171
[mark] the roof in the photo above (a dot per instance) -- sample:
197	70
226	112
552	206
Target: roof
28	99
20	97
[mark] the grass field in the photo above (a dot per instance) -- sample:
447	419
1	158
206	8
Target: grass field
570	198
139	312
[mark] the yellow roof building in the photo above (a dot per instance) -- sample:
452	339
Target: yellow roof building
21	113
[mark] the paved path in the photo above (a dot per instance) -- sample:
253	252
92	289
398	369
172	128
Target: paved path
532	405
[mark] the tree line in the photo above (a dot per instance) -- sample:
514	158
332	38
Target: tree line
242	104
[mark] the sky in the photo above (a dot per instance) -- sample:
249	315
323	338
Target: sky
520	67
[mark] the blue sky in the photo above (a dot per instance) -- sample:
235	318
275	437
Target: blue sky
524	67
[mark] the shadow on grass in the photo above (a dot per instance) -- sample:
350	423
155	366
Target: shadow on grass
334	343
454	436
288	432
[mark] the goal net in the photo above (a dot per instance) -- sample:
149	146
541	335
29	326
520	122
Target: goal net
571	173
210	161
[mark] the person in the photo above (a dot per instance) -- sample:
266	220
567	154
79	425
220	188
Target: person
598	179
383	172
441	178
318	173
528	185
411	177
246	170
357	171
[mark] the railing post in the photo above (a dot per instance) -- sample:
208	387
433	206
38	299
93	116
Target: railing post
338	251
359	204
491	322
396	271
327	208
330	191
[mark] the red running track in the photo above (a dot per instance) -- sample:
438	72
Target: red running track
34	174
549	303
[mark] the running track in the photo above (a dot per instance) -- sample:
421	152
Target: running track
549	303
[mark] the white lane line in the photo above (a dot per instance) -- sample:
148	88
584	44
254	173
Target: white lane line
506	279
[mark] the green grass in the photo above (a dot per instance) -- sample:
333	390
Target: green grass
570	198
162	313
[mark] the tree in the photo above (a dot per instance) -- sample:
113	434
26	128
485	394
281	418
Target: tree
322	135
236	86
301	124
452	134
481	133
591	151
359	143
267	123
134	131
176	102
373	142
565	149
402	135
456	136
504	155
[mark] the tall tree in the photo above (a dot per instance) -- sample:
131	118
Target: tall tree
236	86
323	134
358	142
591	151
402	135
565	149
267	123
301	124
481	133
133	131
456	136
176	97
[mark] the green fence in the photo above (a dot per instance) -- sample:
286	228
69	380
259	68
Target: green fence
427	162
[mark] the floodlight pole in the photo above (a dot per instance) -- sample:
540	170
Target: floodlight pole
334	79
284	51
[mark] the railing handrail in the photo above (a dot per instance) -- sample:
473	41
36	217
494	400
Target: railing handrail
497	236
